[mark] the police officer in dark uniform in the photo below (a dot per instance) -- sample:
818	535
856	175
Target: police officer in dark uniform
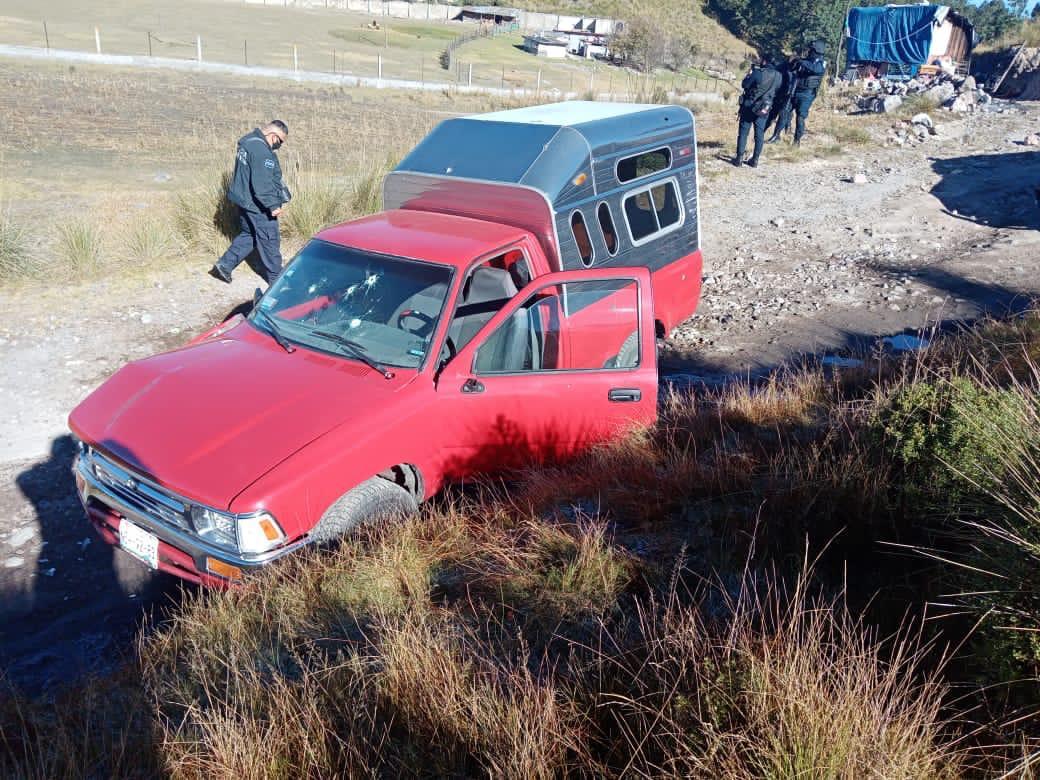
760	86
780	113
260	194
807	75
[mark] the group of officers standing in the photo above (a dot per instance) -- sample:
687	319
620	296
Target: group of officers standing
775	91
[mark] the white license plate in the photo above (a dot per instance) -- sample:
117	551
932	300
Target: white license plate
139	543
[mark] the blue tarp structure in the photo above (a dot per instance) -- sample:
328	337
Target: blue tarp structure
894	33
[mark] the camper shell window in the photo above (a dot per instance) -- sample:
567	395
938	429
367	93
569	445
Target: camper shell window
643	164
582	238
653	210
606	226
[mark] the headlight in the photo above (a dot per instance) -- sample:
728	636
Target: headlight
256	533
215	527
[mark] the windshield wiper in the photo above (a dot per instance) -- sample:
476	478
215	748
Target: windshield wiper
273	330
356	350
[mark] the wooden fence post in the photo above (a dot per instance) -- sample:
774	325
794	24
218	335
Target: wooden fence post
47	38
198	48
245	52
97	40
295	59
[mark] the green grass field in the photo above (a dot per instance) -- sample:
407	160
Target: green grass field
324	40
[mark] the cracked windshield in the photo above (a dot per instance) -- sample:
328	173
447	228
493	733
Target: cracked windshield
386	307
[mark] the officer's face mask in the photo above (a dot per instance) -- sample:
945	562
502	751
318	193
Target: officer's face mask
277	142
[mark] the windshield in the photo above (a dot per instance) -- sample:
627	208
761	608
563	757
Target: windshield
387	307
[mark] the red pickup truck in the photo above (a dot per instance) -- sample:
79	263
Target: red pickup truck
502	309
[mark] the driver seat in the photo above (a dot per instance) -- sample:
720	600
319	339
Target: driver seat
487	291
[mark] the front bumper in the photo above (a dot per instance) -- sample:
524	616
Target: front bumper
181	553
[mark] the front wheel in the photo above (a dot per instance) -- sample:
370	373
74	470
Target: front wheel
372	500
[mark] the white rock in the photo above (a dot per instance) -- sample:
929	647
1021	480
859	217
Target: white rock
888	104
1033	139
859	178
146	319
14	562
922	119
21	536
940	93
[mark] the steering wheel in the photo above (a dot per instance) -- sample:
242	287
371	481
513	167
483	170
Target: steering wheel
425	319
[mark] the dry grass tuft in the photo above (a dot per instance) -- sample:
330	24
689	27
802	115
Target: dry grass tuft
17	260
454	692
203	216
80	246
781	686
367	194
789	398
149	239
319	200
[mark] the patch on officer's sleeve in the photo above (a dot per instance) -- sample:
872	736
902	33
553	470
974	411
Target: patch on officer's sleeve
269	163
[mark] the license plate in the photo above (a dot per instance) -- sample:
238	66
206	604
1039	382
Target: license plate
139	543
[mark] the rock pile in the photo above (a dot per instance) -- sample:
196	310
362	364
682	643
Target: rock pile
955	93
912	132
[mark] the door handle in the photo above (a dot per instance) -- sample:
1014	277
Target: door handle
625	394
472	386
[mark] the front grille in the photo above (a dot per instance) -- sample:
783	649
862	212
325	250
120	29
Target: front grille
138	494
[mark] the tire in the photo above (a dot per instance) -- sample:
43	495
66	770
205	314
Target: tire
374	499
628	355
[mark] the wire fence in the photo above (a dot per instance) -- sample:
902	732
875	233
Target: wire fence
373	57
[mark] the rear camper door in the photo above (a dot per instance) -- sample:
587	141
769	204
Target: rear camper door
569	362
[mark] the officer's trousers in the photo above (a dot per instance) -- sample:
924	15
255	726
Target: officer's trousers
801	102
260	232
747	121
798	105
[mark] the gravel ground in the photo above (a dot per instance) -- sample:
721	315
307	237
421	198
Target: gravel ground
800	257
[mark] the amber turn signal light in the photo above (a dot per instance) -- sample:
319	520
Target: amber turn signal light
223	569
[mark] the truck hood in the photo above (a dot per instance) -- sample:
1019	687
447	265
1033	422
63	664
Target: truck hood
208	420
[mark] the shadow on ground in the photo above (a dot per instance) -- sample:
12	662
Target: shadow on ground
997	190
73	611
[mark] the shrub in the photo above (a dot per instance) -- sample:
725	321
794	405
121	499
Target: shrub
950	436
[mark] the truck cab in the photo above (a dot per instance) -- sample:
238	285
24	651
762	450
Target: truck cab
475	324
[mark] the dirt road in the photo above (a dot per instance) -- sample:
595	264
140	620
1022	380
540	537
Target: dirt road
798	259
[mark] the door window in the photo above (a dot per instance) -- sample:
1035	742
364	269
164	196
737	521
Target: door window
575	326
